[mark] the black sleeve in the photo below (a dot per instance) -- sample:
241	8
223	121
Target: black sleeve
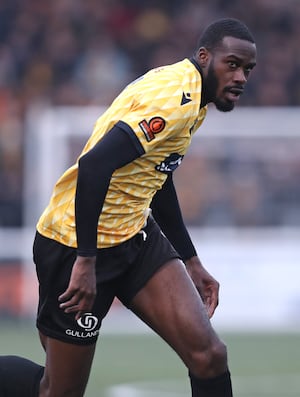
95	169
167	213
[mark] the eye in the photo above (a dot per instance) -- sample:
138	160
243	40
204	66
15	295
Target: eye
247	70
233	64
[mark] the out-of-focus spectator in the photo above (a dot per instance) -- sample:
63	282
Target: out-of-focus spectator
10	161
63	42
81	52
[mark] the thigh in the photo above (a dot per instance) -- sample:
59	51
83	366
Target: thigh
150	251
67	368
170	304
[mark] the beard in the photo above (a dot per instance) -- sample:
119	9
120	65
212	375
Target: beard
211	87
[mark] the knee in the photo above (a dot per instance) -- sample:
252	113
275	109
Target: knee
209	360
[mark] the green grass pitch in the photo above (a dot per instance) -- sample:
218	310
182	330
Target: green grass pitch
262	365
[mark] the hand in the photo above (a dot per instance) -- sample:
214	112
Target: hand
81	292
206	285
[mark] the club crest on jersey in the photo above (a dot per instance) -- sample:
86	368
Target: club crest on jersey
170	163
153	127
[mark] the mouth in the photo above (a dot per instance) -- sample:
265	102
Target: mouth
233	94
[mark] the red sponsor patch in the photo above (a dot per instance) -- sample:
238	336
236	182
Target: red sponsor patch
154	126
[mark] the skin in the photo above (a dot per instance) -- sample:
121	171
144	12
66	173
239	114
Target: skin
226	71
188	332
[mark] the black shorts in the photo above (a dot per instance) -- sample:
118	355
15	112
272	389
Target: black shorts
121	272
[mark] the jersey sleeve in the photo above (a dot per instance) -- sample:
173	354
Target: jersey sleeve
156	114
115	150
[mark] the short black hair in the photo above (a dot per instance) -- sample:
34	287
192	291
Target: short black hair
215	32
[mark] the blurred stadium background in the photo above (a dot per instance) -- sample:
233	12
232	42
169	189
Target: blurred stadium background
61	64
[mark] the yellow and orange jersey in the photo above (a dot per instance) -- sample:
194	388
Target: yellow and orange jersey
162	110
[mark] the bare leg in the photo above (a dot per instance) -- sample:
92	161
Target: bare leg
170	304
67	368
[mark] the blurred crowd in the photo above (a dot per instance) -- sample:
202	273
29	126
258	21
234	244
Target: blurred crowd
241	181
81	52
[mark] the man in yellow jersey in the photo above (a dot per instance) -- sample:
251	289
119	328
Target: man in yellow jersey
113	227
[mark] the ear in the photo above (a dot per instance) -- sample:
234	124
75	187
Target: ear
203	56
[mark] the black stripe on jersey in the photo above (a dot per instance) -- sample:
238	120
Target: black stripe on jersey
194	62
126	128
198	67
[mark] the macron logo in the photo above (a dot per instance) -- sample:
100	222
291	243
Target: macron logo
186	98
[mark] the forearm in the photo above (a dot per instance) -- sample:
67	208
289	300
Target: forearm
193	261
89	201
95	170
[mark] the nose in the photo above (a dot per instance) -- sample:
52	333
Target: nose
239	76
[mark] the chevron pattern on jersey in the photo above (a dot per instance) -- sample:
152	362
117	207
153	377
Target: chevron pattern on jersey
162	108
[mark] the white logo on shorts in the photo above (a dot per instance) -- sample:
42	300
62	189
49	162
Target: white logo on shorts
88	322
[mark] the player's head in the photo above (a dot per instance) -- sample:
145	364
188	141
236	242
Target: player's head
226	54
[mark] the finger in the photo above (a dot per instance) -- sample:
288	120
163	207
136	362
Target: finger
72	309
66	295
78	306
210	310
79	314
212	303
73	299
69	303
